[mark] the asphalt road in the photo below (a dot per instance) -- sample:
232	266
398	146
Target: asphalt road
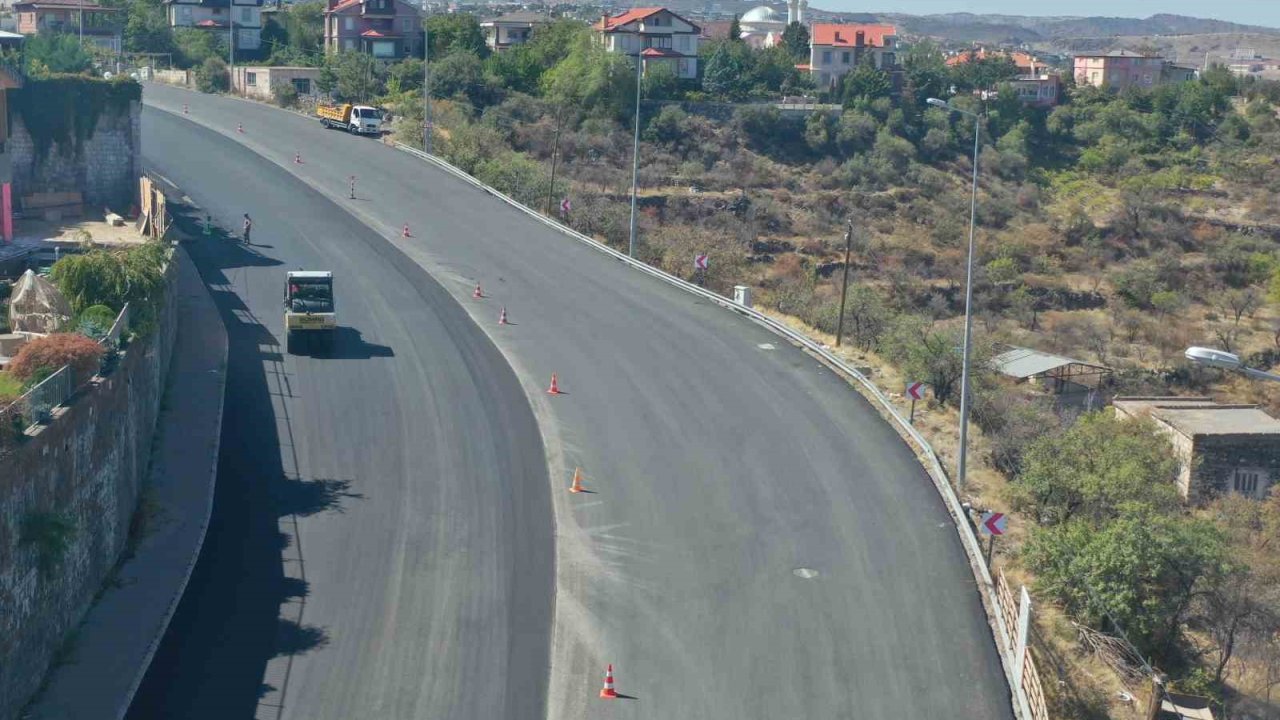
381	541
760	543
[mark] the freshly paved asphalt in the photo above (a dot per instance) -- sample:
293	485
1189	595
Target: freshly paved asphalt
723	461
381	544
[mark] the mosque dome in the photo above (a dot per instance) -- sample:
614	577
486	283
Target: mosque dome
762	14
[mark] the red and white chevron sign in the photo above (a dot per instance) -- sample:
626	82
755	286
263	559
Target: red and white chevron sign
916	390
993	523
565	206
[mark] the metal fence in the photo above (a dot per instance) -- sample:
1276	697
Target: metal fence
118	328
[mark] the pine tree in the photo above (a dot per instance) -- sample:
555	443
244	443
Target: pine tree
735	29
796	40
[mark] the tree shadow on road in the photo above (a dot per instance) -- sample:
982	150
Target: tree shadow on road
310	497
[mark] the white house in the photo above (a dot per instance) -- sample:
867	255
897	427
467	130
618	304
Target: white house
218	16
836	49
657	35
511	29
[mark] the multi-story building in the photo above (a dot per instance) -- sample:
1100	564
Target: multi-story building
1038	90
385	29
1119	69
836	49
220	16
99	25
511	29
657	35
1026	63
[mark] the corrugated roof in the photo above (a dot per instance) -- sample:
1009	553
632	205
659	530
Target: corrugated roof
1023	363
847	35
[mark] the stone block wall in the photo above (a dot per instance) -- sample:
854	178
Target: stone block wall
105	168
88	464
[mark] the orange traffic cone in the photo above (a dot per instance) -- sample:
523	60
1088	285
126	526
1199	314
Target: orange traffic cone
239	127
502	317
608	693
576	487
555	386
477	293
405	232
185	111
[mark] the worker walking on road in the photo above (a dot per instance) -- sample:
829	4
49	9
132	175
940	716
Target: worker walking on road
248	227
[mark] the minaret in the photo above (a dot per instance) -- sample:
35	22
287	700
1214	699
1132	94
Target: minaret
793	11
804	5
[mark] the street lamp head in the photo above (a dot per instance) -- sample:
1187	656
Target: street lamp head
938	103
1214	358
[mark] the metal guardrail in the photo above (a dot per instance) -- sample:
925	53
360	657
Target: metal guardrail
927	456
118	328
36	405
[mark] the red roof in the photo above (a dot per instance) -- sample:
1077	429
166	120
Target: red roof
847	35
344	5
209	23
654	52
1019	58
635	15
629	16
377	34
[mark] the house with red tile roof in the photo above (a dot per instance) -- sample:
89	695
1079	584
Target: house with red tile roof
836	49
386	29
1026	63
218	16
102	25
655	35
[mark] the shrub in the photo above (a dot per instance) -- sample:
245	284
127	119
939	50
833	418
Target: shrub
51	352
113	278
96	321
211	76
286	96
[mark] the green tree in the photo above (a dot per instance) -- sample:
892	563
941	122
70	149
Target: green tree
460	74
196	45
726	72
405	76
147	29
925	68
735	31
212	76
982	73
589	78
1091	471
55	53
455	32
925	352
795	40
356	77
1143	570
865	83
660	82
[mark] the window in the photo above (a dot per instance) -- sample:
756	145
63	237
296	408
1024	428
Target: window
349	23
888	60
682	68
406	24
349	44
383	48
246	15
184	13
251	79
844	58
826	57
1246	481
658	41
659	21
302	85
682	43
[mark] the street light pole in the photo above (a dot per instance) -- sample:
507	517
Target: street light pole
426	88
844	288
968	294
635	157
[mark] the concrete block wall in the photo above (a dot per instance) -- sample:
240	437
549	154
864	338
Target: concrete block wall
89	463
105	169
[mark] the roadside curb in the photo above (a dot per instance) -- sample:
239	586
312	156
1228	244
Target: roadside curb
924	451
120	634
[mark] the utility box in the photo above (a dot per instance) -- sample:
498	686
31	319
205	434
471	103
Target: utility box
742	295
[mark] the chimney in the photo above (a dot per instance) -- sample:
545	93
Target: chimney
860	39
837	37
604	22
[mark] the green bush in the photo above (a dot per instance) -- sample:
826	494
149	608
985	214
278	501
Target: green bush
113	278
96	321
286	96
212	76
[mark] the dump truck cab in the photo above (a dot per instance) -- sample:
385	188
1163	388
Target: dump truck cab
310	315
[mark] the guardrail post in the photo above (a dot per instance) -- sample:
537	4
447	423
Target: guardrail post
1023	631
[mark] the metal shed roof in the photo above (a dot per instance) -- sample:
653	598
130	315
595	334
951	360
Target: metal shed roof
1023	363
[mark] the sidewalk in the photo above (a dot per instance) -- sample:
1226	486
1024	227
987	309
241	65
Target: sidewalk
122	630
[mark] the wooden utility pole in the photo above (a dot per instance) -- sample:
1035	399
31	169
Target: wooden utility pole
844	290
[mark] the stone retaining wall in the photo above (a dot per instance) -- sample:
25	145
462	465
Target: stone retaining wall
87	465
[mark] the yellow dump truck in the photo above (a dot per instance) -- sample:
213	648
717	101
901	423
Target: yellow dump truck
356	119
